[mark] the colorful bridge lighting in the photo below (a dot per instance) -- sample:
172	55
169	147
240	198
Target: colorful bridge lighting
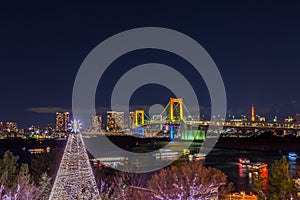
177	101
139	117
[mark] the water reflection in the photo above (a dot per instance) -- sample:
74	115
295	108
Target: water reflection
243	171
293	167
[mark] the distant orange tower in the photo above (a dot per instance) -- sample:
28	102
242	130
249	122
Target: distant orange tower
172	101
252	114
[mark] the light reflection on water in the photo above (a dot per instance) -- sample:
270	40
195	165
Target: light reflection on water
227	161
223	159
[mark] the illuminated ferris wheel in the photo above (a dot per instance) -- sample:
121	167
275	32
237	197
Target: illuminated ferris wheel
75	126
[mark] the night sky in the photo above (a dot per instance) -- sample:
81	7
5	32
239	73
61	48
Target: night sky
256	47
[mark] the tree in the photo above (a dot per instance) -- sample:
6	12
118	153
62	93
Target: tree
45	185
123	185
15	179
8	168
297	179
281	185
259	186
39	164
105	180
130	186
17	183
47	162
190	181
25	186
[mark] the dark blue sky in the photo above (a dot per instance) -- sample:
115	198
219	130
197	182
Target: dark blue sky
256	47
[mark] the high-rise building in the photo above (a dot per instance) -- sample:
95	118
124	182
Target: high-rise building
137	118
262	119
62	121
115	120
34	129
11	126
297	117
132	119
66	120
96	123
49	129
59	122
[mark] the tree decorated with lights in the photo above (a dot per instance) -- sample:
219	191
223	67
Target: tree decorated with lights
16	182
190	181
124	185
45	184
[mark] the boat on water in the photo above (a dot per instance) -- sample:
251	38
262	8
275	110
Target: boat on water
109	161
258	166
244	162
292	156
165	153
37	150
197	157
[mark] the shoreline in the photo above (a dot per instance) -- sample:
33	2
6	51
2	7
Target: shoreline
267	144
260	143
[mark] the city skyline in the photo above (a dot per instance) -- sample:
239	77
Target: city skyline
255	46
61	120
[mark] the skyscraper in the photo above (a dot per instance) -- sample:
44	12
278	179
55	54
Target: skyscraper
137	118
297	117
96	123
132	119
62	121
115	120
11	126
49	128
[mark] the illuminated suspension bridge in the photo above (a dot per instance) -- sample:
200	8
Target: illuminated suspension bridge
172	120
75	179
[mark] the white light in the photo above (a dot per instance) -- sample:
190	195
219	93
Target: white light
75	126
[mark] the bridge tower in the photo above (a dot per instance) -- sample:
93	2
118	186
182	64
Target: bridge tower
252	113
139	117
177	101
